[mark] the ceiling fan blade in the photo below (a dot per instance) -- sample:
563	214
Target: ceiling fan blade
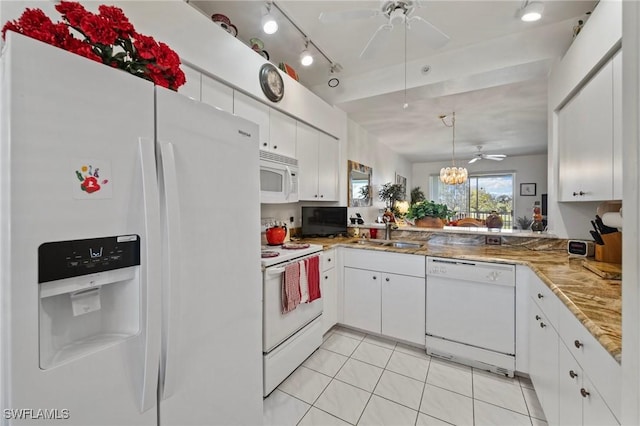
501	156
473	160
428	32
495	157
377	42
347	15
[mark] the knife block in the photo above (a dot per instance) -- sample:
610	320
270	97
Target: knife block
611	251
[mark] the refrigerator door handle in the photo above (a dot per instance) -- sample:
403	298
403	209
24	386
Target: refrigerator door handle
150	274
171	276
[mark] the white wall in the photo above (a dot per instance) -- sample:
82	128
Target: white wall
597	41
366	149
528	169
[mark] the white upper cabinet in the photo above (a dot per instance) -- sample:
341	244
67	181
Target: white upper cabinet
589	149
192	87
252	110
282	134
216	94
277	130
318	161
617	126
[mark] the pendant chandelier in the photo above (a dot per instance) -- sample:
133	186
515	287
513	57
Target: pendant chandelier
452	175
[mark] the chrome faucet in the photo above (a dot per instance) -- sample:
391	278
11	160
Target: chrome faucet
387	228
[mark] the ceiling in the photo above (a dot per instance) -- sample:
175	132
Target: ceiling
492	73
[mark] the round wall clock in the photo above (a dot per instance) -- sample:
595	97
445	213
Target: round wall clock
271	82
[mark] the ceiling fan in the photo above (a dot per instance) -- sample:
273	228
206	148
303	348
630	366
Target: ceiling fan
396	12
480	156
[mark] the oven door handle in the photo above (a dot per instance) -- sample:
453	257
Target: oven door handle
275	271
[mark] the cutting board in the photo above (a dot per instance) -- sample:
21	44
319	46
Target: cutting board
608	271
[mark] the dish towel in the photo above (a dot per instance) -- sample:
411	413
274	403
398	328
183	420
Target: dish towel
313	277
304	282
290	287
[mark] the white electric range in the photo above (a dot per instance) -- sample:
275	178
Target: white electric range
287	338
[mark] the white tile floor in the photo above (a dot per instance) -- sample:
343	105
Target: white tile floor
358	379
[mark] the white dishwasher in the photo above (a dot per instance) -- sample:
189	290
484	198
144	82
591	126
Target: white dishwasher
470	313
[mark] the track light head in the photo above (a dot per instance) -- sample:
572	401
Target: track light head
532	11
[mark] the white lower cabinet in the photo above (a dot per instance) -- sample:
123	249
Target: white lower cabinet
579	401
380	300
362	299
329	290
543	362
403	307
566	363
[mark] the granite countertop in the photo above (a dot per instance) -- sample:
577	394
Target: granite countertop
596	302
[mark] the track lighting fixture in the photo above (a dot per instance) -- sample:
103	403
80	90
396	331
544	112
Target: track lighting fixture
269	23
531	11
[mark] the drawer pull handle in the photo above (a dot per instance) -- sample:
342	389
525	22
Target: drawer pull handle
329	260
387	279
584	392
578	344
579	193
540	296
572	374
326	277
375	278
542	325
538	317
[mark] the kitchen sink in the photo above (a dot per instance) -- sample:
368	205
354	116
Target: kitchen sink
391	243
371	242
404	244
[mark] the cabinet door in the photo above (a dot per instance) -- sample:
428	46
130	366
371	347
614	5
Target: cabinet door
192	87
403	307
329	293
594	410
307	149
217	94
543	362
282	139
569	384
328	163
586	141
617	126
252	110
362	299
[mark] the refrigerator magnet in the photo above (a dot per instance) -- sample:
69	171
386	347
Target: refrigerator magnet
92	180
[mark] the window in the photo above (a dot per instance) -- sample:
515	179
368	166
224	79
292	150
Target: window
479	196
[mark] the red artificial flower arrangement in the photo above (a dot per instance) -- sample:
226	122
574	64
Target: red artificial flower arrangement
109	38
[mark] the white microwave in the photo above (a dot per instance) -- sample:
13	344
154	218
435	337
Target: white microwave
278	178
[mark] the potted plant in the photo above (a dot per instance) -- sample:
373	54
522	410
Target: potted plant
417	195
429	214
390	193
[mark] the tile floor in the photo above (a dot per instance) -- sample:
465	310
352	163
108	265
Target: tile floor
358	379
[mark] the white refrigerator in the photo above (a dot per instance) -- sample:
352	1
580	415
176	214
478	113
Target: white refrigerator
129	284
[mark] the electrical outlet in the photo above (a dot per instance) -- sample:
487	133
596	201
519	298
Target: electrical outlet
493	240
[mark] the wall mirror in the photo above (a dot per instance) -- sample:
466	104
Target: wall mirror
359	184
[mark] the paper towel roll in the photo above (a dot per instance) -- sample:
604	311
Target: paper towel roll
612	219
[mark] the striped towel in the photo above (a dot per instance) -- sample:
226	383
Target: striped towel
313	277
304	282
290	287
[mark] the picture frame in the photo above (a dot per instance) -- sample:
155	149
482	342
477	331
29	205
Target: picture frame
527	189
402	181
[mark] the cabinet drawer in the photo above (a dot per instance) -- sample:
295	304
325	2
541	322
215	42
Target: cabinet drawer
328	260
395	263
597	363
545	299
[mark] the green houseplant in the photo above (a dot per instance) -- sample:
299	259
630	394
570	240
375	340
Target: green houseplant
429	214
390	193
